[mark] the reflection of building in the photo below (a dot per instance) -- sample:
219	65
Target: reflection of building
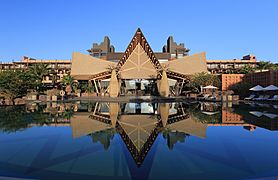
103	137
230	117
83	125
174	137
261	115
139	133
139	124
270	124
91	118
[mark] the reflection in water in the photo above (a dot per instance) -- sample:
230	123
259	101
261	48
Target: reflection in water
174	137
103	137
138	124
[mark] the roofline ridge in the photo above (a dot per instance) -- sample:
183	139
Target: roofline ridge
139	38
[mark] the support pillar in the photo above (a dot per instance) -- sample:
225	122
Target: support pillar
163	85
164	113
114	111
114	85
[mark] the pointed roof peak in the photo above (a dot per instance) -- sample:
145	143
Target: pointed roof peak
138	30
140	39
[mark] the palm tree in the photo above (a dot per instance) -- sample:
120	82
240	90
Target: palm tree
262	65
246	69
68	82
39	70
203	79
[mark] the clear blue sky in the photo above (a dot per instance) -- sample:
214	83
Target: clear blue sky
53	29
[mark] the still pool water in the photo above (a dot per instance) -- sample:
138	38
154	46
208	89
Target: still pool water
90	140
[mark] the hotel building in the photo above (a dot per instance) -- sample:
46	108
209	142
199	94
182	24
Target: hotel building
137	70
227	66
57	68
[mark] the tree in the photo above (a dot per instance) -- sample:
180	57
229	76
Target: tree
39	70
15	84
68	82
241	88
87	87
246	69
68	113
275	67
266	65
16	118
263	65
203	79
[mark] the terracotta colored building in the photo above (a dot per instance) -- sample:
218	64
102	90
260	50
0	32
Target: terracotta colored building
227	80
264	78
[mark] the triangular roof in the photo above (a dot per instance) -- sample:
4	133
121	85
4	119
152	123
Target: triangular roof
138	128
82	124
139	59
188	65
190	126
84	66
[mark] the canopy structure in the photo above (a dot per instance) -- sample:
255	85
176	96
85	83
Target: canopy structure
271	88
257	88
138	62
210	87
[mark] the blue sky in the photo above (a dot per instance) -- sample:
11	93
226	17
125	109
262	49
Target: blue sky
53	29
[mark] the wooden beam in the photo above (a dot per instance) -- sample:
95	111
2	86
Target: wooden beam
181	86
106	90
99	86
95	108
96	86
